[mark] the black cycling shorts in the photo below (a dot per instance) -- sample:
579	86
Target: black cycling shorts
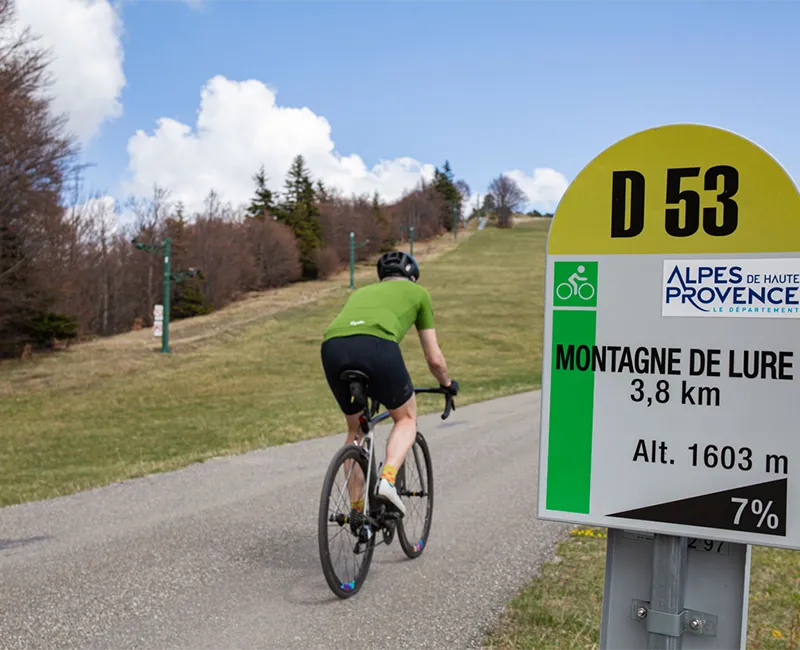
380	359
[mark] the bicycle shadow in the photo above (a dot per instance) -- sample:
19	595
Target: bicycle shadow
7	544
449	424
288	558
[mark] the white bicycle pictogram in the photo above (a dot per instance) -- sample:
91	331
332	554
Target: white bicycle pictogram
573	288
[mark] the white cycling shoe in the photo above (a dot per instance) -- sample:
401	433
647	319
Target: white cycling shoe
389	492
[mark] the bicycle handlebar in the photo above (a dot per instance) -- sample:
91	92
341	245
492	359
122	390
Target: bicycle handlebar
449	403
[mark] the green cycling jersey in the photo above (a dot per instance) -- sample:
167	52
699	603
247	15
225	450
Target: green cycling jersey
385	309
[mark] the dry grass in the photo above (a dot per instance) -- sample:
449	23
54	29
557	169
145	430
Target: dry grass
107	411
82	366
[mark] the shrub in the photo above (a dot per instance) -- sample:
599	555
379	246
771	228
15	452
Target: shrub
47	326
327	262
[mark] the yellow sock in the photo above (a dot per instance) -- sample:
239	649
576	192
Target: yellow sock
358	506
388	473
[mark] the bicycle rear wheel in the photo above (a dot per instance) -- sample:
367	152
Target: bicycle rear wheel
346	543
415	487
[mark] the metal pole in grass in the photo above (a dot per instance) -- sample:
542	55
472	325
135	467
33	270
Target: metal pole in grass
166	249
411	239
167	265
353	257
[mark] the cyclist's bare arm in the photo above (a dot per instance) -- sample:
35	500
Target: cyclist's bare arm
433	355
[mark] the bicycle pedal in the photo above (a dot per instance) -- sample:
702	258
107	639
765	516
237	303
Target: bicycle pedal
388	533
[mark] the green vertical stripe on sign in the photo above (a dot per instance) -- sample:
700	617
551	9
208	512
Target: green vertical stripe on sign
569	453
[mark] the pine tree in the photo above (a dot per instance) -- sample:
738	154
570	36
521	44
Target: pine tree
323	196
188	299
263	202
300	212
446	187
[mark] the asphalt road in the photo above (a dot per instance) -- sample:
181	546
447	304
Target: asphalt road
223	554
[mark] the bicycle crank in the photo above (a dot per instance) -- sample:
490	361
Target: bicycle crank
388	532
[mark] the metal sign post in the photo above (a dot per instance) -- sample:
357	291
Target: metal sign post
666	593
672	295
353	247
715	593
161	312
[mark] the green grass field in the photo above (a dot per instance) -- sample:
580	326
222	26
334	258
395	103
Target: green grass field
103	413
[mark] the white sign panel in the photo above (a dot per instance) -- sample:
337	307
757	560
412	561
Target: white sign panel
671	359
756	288
158	320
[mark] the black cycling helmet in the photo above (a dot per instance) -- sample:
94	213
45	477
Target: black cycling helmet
398	263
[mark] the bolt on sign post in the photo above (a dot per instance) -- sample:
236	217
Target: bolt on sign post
353	247
669	383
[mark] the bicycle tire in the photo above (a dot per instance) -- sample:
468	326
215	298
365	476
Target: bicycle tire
414	549
348	452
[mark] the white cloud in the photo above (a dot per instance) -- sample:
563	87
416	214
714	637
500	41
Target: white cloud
544	189
83	39
239	127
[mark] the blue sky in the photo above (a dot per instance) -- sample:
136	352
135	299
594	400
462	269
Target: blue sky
491	86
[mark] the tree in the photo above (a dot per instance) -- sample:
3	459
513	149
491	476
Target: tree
323	195
506	196
463	191
446	187
36	155
300	212
263	202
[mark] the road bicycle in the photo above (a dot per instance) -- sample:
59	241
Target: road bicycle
357	528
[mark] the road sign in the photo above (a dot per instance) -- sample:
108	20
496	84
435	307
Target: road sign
158	320
716	598
671	349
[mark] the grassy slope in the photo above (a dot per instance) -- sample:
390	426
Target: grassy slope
127	411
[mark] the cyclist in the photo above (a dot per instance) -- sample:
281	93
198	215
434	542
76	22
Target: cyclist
575	277
366	336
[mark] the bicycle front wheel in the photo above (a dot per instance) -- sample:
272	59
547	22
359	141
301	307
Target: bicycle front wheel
346	542
415	487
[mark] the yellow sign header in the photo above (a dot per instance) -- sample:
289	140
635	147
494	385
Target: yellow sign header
678	189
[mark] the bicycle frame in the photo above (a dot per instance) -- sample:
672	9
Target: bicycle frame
370	418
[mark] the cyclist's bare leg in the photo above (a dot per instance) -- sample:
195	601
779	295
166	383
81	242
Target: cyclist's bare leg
356	478
353	427
403	432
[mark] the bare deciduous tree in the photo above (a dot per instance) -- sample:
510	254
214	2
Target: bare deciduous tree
36	154
506	197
